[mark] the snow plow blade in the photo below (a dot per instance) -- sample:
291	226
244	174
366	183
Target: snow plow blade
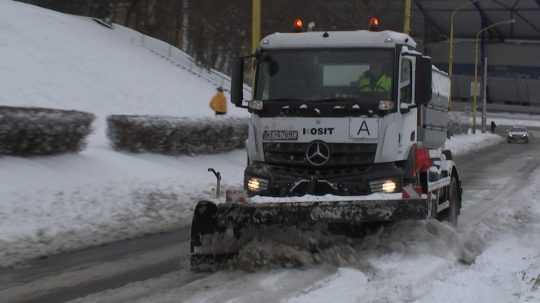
219	231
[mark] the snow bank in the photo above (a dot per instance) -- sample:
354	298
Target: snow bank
462	144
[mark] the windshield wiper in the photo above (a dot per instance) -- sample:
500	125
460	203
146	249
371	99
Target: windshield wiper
286	99
333	99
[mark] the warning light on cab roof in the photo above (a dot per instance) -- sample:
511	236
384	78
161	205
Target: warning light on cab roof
298	25
374	23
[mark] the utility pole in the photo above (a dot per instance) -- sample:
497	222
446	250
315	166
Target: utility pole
407	15
256	25
484	102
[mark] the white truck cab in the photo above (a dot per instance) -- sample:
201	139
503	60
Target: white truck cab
315	130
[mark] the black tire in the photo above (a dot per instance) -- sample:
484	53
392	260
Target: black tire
451	214
454	199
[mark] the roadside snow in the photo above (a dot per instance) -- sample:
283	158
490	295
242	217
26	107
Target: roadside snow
50	205
462	144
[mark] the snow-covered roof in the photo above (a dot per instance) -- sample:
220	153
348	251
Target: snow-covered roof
341	39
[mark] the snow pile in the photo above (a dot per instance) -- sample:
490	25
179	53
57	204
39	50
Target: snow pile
462	144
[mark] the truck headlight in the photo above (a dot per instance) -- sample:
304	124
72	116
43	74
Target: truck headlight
389	186
386	186
257	184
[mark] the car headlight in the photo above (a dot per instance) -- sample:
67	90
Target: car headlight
257	184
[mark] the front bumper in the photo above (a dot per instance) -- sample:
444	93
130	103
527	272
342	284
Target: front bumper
517	138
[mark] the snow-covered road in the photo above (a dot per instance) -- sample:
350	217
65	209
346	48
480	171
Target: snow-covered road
493	257
409	262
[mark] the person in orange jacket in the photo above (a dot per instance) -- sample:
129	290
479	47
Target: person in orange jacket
219	103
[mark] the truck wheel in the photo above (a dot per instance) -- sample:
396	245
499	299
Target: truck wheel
453	210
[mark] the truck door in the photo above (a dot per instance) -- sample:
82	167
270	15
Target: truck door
409	112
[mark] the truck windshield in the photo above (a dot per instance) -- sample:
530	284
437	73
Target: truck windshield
365	75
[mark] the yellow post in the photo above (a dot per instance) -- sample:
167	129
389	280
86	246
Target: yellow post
256	25
407	15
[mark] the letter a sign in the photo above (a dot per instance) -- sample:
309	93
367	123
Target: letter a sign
364	128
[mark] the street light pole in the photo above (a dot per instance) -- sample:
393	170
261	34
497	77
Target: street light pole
484	97
255	25
477	39
451	47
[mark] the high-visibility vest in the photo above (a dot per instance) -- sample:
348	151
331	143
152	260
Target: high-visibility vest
219	103
383	84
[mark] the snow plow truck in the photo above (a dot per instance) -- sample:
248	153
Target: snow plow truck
346	129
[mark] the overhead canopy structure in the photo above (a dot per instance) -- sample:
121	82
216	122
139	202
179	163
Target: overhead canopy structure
481	13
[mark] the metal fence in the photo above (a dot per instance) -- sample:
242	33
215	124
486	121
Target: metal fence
184	61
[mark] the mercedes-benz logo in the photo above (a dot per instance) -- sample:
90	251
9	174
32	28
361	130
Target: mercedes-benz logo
318	153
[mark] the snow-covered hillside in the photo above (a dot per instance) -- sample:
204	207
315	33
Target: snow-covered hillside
57	60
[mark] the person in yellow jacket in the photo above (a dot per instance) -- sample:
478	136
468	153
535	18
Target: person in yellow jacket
219	102
375	81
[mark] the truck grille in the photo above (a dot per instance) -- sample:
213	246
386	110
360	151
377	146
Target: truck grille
341	154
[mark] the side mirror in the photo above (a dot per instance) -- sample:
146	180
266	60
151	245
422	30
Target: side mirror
423	85
237	82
